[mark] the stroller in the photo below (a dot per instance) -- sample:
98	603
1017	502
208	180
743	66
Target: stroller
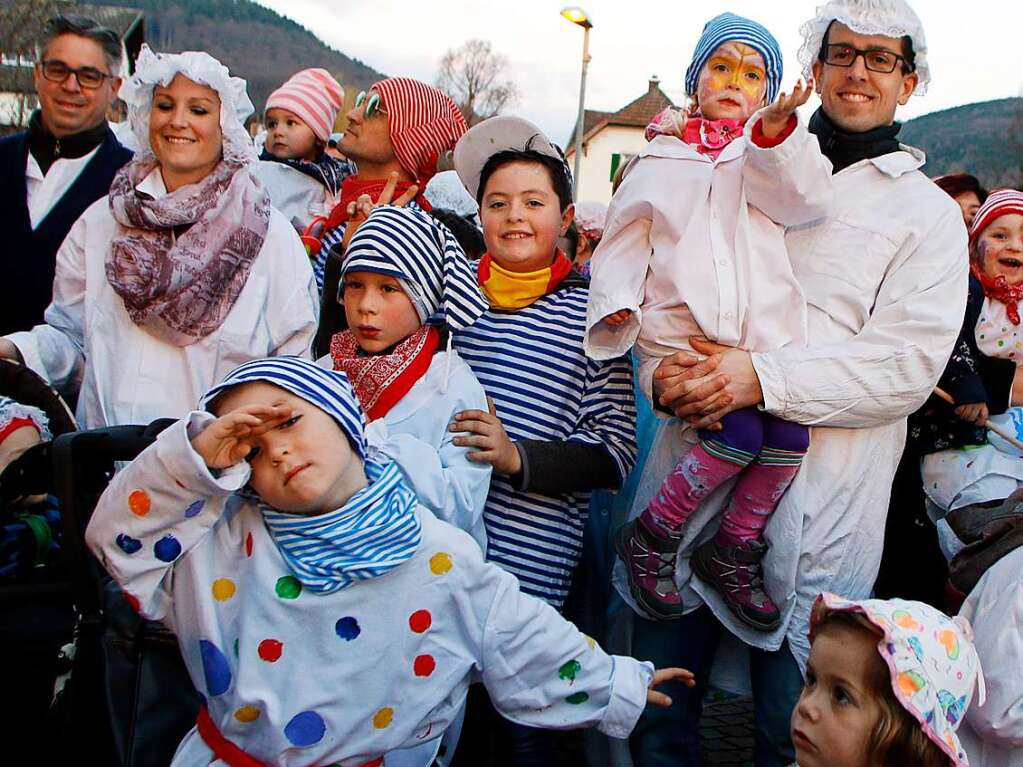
123	696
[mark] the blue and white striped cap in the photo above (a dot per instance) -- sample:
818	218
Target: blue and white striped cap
328	390
416	248
731	28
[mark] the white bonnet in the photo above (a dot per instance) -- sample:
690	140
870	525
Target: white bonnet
891	18
152	69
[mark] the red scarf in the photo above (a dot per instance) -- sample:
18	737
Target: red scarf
381	380
353	187
1000	290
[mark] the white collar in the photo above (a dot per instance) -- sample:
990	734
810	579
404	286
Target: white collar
153	184
672	147
893	164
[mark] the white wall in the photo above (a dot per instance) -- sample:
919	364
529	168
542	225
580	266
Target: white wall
595	170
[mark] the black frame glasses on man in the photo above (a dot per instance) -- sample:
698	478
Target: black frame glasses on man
875	59
57	71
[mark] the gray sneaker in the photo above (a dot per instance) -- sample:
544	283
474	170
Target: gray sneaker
650	564
735	573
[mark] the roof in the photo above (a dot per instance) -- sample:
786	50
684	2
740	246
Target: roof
637	113
121	20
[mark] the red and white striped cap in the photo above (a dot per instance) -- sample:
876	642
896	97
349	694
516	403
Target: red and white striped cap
999	203
312	94
423	122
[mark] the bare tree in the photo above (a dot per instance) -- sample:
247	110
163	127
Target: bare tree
471	75
22	23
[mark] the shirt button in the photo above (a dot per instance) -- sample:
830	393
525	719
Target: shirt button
722	262
728	315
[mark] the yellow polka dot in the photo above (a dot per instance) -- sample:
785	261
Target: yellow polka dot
590	641
440	563
247	714
138	502
223	589
383	717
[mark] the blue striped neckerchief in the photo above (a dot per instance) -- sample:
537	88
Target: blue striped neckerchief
376	531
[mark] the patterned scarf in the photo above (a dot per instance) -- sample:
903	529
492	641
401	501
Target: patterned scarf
708	137
375	532
517	290
186	256
1000	290
381	380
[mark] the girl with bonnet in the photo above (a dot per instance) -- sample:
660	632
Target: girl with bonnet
185	271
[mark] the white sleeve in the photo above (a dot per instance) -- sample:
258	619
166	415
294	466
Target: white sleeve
887	370
156	510
294	316
55	350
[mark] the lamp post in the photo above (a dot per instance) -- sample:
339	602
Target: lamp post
578	16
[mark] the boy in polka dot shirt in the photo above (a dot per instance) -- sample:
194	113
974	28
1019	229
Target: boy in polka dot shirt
324	616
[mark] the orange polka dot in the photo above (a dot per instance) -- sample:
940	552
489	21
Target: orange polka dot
383	717
247	714
223	589
440	563
138	502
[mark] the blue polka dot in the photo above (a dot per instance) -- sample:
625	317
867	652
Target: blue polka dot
194	509
215	668
305	729
347	628
127	544
167	548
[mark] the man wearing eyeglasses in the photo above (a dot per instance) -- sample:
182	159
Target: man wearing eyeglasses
61	165
884	275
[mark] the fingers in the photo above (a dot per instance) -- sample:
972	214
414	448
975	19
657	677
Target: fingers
471	415
683	675
491	407
692	392
657	699
711	420
692	365
407	196
388	192
706	346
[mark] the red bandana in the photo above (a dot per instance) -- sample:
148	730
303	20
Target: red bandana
381	380
353	187
1000	290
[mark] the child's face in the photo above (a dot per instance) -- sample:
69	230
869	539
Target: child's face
732	83
999	248
969	204
522	217
305	465
287	137
378	311
838	708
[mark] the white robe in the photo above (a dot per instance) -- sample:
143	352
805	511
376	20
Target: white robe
380	665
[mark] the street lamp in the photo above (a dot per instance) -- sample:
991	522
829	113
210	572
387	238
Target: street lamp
578	16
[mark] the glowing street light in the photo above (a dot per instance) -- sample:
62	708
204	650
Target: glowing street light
578	16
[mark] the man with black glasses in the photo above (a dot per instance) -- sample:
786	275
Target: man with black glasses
61	165
884	276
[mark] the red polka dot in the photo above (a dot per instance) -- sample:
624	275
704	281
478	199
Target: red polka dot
248	545
133	601
424	665
179	484
378	762
270	650
420	621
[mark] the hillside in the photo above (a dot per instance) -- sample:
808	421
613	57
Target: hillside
985	139
254	42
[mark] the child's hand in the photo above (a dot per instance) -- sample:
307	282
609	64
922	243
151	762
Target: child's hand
976	413
359	210
618	319
663	675
229	439
774	119
488	434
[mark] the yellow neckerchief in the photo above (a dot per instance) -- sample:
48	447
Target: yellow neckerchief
515	290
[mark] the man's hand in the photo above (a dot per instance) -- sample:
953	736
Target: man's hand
663	675
359	210
487	433
975	413
617	319
230	438
704	390
774	119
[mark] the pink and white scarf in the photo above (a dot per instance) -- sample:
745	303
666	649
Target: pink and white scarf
185	257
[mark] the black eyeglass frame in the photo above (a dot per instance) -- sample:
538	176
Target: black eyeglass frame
906	65
78	73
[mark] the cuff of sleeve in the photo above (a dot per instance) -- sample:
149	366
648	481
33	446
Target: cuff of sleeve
185	465
757	134
520	481
603	341
772	383
630	679
786	146
29	351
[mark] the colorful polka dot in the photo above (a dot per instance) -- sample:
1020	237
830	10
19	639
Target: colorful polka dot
167	549
424	665
248	545
223	589
247	714
235	647
590	641
305	729
138	502
378	762
215	668
420	621
127	544
383	717
133	602
569	670
440	563
347	628
576	698
288	587
270	650
194	509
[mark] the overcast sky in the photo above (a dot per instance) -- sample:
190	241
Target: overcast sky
975	46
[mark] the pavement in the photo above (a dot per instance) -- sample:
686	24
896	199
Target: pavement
726	730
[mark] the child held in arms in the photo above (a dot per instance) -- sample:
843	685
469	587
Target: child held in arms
668	277
325	616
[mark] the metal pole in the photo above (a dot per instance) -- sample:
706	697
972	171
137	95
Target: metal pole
581	119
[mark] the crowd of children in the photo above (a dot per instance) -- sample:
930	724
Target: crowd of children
346	534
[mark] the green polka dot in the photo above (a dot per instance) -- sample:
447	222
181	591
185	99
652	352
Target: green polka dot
288	587
569	670
576	698
1001	343
236	648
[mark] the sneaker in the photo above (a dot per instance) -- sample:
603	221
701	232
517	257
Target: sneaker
650	564
735	573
